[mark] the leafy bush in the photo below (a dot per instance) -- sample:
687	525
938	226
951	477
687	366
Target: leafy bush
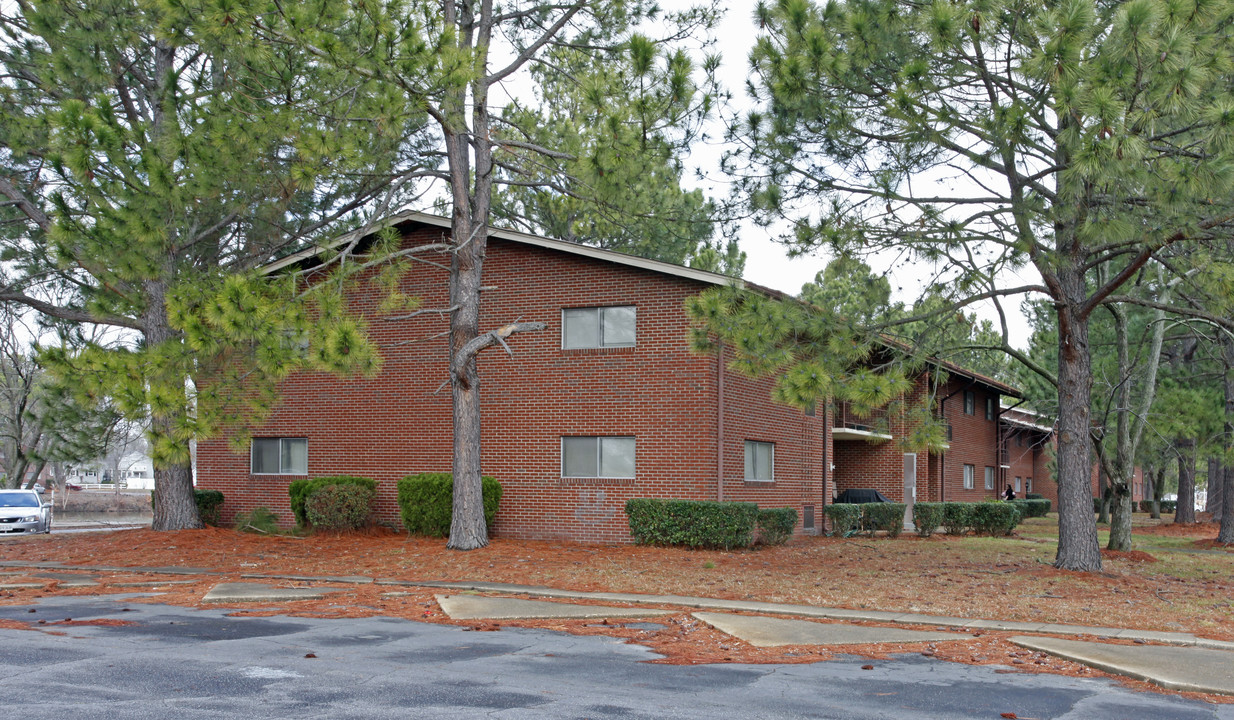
958	517
1167	506
845	518
342	506
692	523
995	518
426	502
927	516
1032	508
209	505
1034	496
260	520
888	517
301	490
775	525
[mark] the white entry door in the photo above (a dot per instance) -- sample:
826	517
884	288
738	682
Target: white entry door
910	488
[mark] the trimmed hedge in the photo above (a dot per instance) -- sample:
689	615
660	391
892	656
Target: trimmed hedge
957	517
340	506
995	518
775	525
426	502
1032	508
1034	496
301	490
692	523
927	516
888	517
845	518
209	505
1167	506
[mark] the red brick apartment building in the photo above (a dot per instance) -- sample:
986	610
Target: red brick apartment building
607	403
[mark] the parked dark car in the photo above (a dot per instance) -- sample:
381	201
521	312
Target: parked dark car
23	511
861	495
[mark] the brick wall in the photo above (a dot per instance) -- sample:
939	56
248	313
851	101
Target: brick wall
659	392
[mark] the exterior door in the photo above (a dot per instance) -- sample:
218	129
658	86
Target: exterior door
910	488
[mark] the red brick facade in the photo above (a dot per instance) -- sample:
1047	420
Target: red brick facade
690	421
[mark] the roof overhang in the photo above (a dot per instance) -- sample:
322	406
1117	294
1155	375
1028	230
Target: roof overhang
843	433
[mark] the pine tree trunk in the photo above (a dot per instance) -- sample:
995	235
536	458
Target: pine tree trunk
1154	478
1216	484
1226	533
175	507
1077	527
1103	494
1184	511
1121	509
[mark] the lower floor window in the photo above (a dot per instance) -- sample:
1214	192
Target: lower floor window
597	457
1028	485
1017	484
280	456
760	461
968	477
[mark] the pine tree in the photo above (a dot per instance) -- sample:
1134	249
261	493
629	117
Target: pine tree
984	137
156	156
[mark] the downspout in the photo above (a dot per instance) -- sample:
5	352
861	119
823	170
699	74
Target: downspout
720	423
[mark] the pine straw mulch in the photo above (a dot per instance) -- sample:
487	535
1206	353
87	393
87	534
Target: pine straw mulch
998	578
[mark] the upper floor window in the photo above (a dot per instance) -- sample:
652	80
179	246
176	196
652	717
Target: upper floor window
991	407
970	402
597	327
280	456
597	457
760	461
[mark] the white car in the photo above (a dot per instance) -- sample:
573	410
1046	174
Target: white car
23	511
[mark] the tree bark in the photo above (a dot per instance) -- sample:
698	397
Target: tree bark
1077	527
1103	495
175	507
1152	492
1216	484
1226	533
1184	511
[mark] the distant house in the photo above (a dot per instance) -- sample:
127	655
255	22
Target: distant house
608	403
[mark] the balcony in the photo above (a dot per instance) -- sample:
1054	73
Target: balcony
850	425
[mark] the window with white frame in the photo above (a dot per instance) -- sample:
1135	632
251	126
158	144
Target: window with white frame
1028	485
989	478
970	402
991	405
597	457
968	477
1017	484
280	456
598	327
760	461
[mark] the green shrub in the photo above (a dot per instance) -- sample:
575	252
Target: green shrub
995	518
339	507
1032	508
426	502
958	517
927	516
1034	496
845	518
888	517
775	525
1167	506
301	490
692	523
259	520
209	505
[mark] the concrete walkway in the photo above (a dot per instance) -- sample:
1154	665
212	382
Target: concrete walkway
1191	663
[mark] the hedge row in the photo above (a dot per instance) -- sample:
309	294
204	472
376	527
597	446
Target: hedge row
1167	506
850	518
707	524
426	502
990	518
341	506
1034	507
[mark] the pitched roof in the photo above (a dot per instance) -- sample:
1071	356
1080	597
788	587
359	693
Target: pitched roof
612	256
